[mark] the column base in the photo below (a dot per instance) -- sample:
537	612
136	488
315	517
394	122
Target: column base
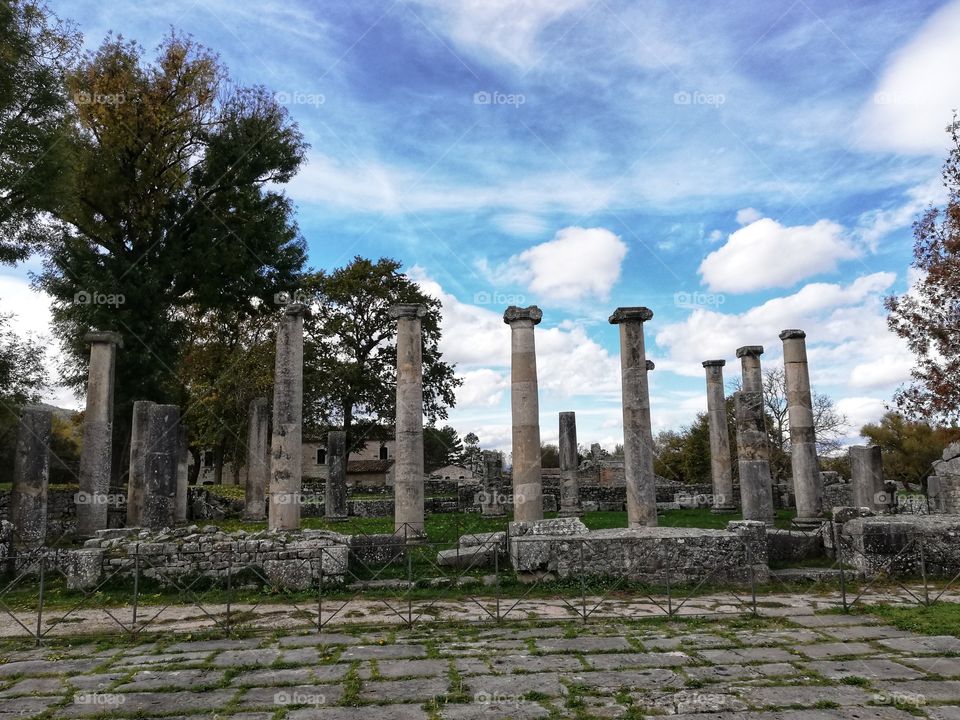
807	523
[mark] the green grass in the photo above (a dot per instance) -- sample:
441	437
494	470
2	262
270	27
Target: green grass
941	618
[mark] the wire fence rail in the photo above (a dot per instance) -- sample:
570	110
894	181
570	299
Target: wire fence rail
408	580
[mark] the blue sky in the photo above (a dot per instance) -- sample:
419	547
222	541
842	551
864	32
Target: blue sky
739	168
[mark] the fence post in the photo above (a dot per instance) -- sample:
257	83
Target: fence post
923	571
838	544
496	575
669	588
136	585
583	585
409	585
43	562
753	580
229	589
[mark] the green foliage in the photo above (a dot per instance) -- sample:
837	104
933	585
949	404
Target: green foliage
441	446
684	456
941	618
35	49
908	447
549	455
22	380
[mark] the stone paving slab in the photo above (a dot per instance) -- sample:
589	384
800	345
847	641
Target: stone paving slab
945	666
871	668
830	650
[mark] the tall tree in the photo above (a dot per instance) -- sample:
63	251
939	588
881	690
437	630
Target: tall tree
441	446
22	380
176	210
928	316
350	354
909	447
35	49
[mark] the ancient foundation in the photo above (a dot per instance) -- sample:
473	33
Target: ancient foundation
286	472
96	456
408	467
569	466
637	432
807	486
258	459
756	491
721	461
525	406
335	492
31	478
866	476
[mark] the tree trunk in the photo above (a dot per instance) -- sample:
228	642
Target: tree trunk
195	469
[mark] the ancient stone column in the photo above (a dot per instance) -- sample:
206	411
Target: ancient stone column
569	467
866	476
335	501
95	458
721	464
161	456
490	505
258	459
136	476
183	475
525	411
807	487
286	471
408	465
756	491
637	432
31	477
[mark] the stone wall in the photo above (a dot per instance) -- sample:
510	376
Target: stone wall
892	544
62	511
788	546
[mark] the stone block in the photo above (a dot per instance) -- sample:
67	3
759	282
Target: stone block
82	568
377	550
951	451
288	575
467	558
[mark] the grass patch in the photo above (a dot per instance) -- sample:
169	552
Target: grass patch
942	618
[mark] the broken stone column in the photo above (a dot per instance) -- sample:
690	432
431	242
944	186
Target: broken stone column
408	466
569	467
335	501
161	457
136	476
31	478
95	458
183	475
721	464
807	487
490	505
756	491
866	476
525	411
258	459
637	432
286	471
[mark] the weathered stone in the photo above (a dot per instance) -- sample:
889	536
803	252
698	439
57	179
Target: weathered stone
258	459
288	574
525	410
866	476
82	568
491	498
136	475
468	558
31	477
161	451
807	487
721	461
335	495
569	466
182	502
756	492
408	467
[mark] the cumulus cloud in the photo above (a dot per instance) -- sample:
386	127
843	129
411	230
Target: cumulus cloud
914	99
748	215
766	254
874	225
579	263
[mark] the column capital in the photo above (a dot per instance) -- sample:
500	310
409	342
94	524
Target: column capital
297	310
650	365
714	363
516	314
103	336
630	314
792	335
750	351
407	311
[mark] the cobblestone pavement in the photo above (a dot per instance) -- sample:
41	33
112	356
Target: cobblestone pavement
806	667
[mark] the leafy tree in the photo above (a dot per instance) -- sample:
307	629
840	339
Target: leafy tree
549	455
176	211
928	317
66	440
441	446
684	456
22	381
472	457
35	49
909	447
350	354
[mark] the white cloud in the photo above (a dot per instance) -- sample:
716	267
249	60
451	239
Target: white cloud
748	215
861	410
875	224
766	254
913	101
483	387
579	263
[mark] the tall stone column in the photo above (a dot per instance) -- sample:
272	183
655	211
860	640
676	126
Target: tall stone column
807	486
95	458
408	466
637	432
866	476
258	459
490	505
286	461
721	464
525	411
183	475
161	456
569	467
756	491
31	478
136	476
335	501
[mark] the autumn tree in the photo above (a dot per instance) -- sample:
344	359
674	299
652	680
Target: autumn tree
909	447
928	316
350	354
